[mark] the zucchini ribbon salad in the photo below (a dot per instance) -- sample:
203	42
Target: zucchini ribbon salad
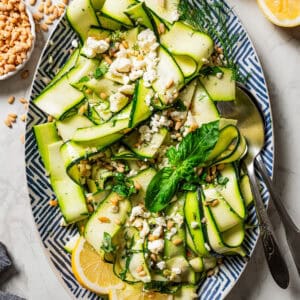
138	155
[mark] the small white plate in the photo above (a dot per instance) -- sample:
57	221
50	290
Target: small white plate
21	66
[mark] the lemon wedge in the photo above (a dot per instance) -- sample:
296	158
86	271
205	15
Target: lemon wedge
91	271
284	13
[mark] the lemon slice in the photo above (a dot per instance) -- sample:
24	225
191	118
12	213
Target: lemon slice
285	13
91	271
135	292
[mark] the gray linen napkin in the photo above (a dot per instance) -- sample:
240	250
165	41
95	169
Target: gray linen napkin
6	269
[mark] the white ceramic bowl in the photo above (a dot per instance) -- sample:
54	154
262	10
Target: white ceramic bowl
21	66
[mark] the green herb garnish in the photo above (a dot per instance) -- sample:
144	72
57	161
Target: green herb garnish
84	79
107	245
222	180
211	18
101	70
123	185
191	152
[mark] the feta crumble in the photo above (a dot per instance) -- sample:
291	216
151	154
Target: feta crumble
156	246
117	101
146	229
161	265
93	47
176	270
194	225
137	211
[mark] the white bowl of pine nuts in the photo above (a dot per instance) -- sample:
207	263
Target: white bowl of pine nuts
17	37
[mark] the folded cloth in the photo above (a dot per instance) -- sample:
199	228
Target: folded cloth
5	261
6	267
8	296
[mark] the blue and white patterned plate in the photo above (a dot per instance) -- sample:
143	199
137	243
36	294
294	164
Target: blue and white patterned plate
47	218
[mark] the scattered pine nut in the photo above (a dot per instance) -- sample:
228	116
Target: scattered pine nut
22	138
161	28
11	100
170	84
44	27
23	118
177	241
12	115
25	74
215	203
139	268
32	2
53	203
103	95
8	123
170	224
50	118
23	100
104	220
137	186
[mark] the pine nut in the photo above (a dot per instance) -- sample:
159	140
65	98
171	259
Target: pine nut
44	27
104	220
11	100
23	100
23	118
177	241
8	123
53	203
50	119
170	84
32	2
22	138
13	115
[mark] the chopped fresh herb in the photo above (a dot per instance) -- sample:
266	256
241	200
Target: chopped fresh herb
101	70
107	245
123	274
84	79
191	152
179	105
117	36
135	47
123	185
222	180
189	187
210	70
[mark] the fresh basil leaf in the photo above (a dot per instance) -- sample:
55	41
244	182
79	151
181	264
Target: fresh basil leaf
191	152
84	79
189	187
107	245
161	189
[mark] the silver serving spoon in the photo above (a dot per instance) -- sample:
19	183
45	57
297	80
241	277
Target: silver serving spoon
251	125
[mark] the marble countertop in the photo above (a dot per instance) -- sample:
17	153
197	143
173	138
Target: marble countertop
279	51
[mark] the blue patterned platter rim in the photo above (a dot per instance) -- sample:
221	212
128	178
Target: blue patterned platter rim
47	218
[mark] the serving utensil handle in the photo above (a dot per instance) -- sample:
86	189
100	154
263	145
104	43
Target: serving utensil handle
275	260
291	230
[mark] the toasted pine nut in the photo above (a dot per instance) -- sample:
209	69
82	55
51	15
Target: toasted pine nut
215	203
177	241
53	202
22	138
13	115
139	268
170	84
137	186
44	27
23	118
8	123
104	220
170	224
32	2
50	119
103	95
108	59
11	100
23	100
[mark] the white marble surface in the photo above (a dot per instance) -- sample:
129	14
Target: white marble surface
279	51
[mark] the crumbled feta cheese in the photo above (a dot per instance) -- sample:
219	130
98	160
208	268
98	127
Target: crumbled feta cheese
157	232
136	74
190	121
93	47
178	219
146	229
75	43
219	75
63	222
147	214
146	39
138	64
156	246
161	265
207	247
148	99
161	221
158	121
105	115
176	270
171	233
194	225
132	173
136	211
175	16
146	134
149	76
138	222
121	65
205	60
117	102
127	89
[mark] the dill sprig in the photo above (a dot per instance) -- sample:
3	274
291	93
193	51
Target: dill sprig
211	18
